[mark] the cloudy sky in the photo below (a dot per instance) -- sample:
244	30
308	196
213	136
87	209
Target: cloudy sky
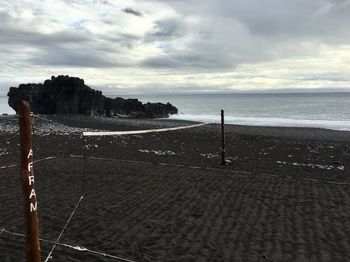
178	45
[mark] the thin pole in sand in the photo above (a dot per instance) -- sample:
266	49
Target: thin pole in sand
222	138
33	252
84	165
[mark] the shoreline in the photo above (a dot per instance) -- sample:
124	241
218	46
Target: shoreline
338	125
112	124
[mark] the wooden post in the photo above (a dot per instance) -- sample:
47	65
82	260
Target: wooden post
222	138
84	164
33	252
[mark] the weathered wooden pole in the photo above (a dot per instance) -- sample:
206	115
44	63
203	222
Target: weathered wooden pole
222	138
84	164
33	252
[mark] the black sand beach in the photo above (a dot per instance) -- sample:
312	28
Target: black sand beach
164	197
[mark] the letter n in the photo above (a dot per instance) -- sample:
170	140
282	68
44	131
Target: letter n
33	207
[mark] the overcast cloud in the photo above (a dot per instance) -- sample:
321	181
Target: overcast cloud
168	46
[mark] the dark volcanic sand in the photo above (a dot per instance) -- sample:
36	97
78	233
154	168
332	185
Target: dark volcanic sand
291	203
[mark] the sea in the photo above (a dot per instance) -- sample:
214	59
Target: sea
320	110
4	107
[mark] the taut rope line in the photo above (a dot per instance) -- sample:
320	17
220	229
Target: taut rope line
64	228
78	248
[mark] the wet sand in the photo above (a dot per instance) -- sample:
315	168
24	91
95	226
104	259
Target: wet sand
285	197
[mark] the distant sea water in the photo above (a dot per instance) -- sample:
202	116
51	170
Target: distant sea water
321	110
4	107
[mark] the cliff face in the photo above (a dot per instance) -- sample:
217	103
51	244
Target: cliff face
70	95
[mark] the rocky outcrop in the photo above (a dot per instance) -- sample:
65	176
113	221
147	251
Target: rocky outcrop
70	95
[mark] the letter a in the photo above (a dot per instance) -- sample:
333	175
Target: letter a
32	193
33	207
30	153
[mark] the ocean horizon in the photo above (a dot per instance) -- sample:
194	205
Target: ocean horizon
329	110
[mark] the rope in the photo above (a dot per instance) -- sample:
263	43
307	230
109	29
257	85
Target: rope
42	118
33	123
64	228
35	161
78	248
136	132
221	170
3	167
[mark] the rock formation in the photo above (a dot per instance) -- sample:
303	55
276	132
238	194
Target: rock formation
70	95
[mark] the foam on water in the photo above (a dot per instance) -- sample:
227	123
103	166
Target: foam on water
343	125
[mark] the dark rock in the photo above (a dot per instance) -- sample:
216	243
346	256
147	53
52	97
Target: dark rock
70	95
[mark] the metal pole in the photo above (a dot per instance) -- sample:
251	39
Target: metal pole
222	138
33	252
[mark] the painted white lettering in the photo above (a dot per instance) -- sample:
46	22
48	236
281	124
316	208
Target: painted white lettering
32	193
30	153
30	166
31	180
33	207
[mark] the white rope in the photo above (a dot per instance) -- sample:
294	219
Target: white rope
3	167
64	228
43	118
222	170
136	132
35	161
78	248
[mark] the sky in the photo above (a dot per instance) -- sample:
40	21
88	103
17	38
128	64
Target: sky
178	46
